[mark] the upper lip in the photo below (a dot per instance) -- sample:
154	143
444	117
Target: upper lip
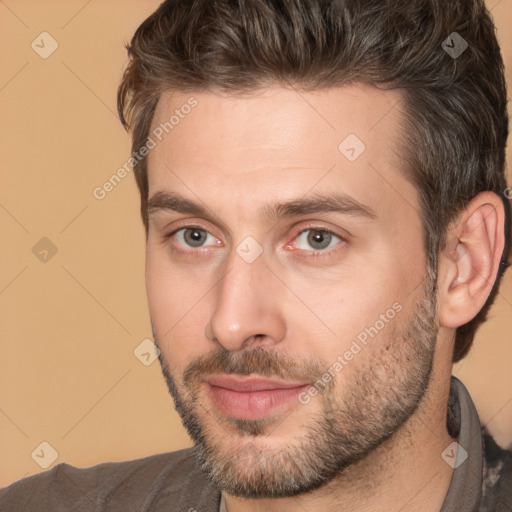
247	383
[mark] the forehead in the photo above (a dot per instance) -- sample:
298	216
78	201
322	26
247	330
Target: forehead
281	142
278	117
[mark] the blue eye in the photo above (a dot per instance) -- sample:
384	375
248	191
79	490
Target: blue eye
317	239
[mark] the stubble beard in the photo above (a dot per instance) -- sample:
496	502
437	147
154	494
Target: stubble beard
378	399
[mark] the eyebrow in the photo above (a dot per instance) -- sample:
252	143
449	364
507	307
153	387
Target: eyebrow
329	203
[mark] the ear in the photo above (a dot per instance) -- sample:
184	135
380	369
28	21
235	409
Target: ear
469	264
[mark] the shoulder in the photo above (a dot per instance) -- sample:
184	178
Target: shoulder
168	481
497	477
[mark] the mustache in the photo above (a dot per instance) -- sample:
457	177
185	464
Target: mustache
258	360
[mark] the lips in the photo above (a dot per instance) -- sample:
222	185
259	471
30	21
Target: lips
247	397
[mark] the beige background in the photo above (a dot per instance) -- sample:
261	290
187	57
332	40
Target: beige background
70	325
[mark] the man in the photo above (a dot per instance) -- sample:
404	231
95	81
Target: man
322	185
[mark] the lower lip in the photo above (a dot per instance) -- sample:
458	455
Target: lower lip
251	405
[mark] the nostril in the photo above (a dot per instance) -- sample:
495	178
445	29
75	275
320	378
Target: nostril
253	338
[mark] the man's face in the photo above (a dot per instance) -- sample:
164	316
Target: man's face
282	254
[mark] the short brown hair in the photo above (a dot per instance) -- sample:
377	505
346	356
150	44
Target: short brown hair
456	119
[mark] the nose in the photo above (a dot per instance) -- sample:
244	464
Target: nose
246	311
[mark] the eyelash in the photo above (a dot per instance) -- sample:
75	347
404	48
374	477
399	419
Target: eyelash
314	254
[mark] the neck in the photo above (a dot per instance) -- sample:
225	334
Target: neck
406	472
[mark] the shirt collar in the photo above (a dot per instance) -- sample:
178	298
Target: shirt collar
465	492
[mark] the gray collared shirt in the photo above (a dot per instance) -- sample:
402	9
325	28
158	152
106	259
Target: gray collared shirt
465	492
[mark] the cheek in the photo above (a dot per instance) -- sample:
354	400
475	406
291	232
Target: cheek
178	309
171	292
158	285
341	305
352	315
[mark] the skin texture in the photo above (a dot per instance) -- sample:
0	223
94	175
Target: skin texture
372	439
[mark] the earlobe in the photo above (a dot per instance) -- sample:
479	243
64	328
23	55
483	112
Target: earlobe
471	260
